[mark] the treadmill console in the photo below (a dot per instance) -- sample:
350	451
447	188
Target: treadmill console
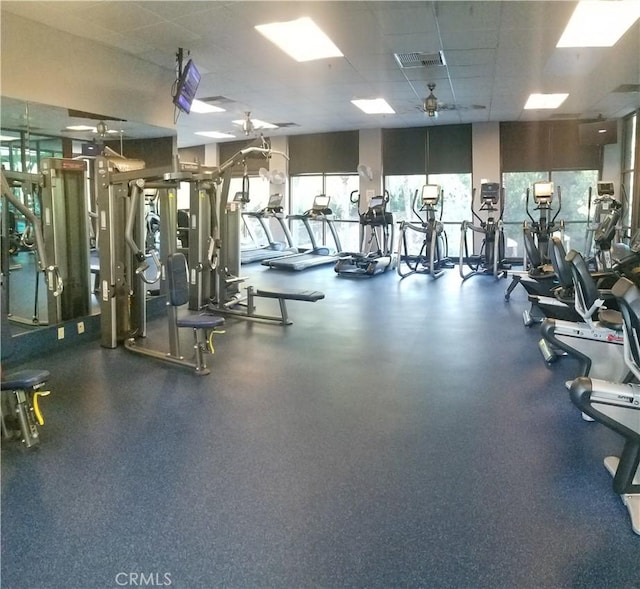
490	193
605	188
321	202
275	202
543	193
430	194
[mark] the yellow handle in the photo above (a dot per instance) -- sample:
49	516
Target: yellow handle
210	340
36	406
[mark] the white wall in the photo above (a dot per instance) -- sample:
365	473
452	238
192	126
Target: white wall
51	67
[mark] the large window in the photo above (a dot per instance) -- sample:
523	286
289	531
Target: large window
574	189
339	187
546	151
456	203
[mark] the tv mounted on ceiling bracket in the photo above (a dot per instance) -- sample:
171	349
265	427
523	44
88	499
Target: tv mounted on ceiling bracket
187	85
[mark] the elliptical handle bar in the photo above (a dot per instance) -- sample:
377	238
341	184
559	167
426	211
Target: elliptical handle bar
559	206
526	207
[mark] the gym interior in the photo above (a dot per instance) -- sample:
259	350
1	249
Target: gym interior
360	319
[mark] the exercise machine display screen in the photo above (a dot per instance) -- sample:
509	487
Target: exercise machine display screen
543	192
430	194
275	201
490	192
605	189
321	202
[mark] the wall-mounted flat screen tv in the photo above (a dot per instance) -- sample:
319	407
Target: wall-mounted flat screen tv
187	87
598	133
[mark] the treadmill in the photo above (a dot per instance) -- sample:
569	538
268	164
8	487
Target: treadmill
274	249
318	255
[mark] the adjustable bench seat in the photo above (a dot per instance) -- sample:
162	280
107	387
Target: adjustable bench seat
310	296
24	379
202	321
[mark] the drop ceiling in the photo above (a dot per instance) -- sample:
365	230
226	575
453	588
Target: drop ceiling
496	54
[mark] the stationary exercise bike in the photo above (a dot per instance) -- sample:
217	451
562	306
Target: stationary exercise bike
617	406
432	258
596	342
491	259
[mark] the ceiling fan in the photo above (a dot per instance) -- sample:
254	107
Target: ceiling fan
431	106
252	126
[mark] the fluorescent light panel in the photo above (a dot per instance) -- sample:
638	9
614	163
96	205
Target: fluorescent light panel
8	138
200	107
215	134
374	106
539	101
301	39
599	23
257	124
81	128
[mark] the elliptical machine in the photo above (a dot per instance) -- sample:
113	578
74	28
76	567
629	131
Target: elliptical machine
491	259
544	227
432	258
602	236
376	240
538	277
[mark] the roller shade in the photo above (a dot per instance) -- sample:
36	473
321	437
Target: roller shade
404	151
444	149
324	153
449	149
545	145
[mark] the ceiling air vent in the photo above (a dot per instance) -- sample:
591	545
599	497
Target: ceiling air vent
410	60
282	125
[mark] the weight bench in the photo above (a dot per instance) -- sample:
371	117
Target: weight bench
309	296
19	409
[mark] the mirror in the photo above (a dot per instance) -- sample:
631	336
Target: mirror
29	133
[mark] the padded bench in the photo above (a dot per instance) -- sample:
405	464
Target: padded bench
309	296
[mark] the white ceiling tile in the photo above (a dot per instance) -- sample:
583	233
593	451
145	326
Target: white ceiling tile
497	52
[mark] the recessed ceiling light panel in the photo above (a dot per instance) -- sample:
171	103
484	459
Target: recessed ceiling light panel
200	107
257	124
374	106
215	134
599	23
81	128
540	101
301	39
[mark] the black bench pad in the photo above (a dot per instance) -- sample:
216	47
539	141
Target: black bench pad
24	379
293	295
200	321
